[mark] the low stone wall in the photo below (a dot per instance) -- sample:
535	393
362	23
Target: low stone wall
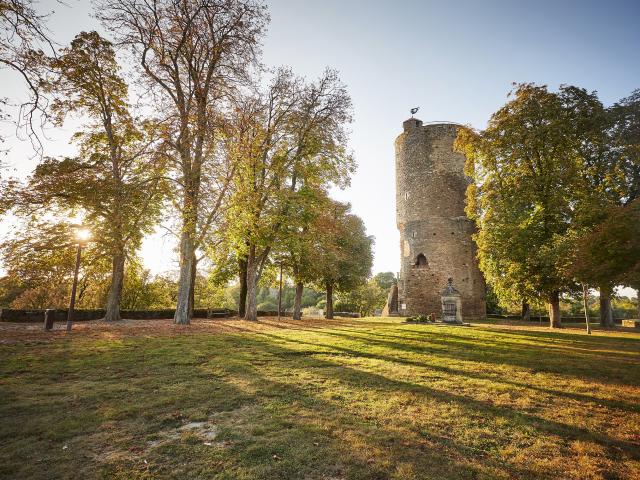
631	323
273	313
346	314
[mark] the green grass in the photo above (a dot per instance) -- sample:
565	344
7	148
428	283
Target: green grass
361	399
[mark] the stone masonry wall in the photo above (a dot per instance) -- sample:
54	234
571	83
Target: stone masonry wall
430	199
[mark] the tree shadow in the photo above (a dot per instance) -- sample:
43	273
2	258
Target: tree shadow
359	379
600	367
575	342
613	404
431	452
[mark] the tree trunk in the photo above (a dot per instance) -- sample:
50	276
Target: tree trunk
187	252
242	277
555	320
329	307
526	311
252	287
585	304
606	314
115	289
280	294
297	302
192	287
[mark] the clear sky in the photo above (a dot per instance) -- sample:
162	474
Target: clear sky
455	60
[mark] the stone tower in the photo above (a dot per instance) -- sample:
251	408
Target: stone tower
435	233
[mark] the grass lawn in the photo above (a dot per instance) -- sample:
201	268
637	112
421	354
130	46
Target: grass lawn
341	399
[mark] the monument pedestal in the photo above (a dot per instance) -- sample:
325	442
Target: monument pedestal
451	304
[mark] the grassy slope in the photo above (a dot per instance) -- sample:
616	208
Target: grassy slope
365	399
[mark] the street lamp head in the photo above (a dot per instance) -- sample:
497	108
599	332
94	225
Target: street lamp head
83	234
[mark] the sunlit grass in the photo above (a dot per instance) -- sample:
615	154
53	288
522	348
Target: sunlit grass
322	400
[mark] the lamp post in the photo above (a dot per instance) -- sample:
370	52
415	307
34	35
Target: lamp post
280	294
82	236
585	303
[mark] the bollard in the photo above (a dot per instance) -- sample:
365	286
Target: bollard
49	317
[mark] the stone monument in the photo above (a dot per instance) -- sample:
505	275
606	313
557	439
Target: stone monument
451	304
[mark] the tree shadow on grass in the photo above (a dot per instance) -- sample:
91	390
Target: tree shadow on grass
359	379
367	448
569	343
613	404
197	375
600	367
572	336
79	409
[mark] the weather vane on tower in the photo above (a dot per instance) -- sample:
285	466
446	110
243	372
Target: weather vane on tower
414	110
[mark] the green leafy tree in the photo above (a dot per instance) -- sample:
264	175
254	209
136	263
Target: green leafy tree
298	246
609	254
385	280
344	252
39	259
116	180
287	143
143	291
625	135
193	55
610	177
364	299
163	291
526	167
599	178
625	140
493	302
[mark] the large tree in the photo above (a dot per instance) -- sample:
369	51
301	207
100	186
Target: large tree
385	280
116	179
598	179
193	55
343	252
526	168
297	249
610	177
290	141
609	253
364	299
625	141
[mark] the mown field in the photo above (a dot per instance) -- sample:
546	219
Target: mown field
341	399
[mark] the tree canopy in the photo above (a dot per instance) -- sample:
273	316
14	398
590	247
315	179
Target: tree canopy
545	172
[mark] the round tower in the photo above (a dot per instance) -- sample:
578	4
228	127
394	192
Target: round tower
435	233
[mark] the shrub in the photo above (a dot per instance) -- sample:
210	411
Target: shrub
343	306
267	306
421	318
